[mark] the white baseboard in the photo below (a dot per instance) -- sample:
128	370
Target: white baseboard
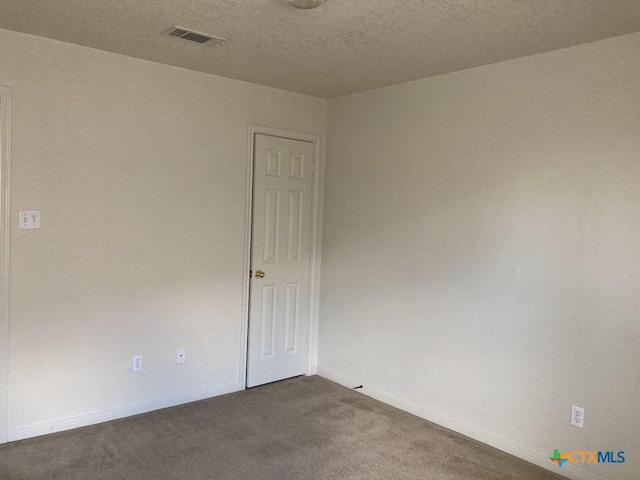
537	458
45	428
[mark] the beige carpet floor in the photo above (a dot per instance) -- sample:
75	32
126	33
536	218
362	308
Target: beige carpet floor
303	428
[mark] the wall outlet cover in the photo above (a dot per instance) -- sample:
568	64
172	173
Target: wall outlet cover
181	356
136	365
577	416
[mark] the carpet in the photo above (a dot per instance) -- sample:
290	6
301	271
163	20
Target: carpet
302	428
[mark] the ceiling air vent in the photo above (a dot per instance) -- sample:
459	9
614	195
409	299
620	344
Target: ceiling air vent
193	36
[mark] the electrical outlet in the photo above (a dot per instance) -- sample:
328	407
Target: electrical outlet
137	363
577	416
181	356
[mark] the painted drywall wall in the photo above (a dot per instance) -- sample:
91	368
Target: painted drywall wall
139	172
481	251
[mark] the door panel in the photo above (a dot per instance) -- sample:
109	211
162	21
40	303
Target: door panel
280	247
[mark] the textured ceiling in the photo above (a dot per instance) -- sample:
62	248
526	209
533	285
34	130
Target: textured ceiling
343	47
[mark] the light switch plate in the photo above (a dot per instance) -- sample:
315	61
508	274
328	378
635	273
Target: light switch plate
29	219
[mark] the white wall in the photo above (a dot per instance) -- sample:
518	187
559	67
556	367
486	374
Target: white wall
481	250
139	172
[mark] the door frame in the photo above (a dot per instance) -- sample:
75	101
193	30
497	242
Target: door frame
5	149
316	238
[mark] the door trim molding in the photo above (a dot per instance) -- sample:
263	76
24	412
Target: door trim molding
5	149
316	238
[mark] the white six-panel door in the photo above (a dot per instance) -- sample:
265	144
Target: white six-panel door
280	259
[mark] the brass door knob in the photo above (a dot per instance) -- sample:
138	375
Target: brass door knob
259	274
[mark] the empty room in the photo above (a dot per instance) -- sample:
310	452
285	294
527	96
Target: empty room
320	239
